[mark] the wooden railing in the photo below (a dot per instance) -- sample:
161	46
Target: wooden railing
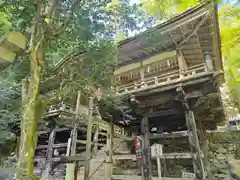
103	125
162	79
150	69
118	131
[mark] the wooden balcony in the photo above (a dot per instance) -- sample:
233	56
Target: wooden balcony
69	111
65	108
164	79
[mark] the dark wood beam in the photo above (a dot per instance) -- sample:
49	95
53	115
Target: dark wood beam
164	113
195	30
169	135
54	146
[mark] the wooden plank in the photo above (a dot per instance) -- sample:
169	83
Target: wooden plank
147	166
169	135
130	177
164	156
71	158
54	146
57	130
176	156
49	154
102	133
194	143
178	134
89	139
85	142
109	161
73	140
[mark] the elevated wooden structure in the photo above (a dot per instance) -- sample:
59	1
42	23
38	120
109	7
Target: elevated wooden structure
170	75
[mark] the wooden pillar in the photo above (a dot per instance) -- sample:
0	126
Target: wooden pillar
165	169
48	167
109	161
147	169
97	128
194	144
73	149
78	103
95	139
71	167
142	75
182	64
89	140
208	61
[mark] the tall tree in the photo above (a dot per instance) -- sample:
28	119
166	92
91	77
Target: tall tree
54	28
229	18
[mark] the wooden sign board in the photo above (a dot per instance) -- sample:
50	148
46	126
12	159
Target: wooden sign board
156	150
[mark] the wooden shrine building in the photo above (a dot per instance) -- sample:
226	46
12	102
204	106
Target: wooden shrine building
170	75
173	73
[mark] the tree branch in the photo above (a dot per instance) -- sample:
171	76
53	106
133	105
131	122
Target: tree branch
68	19
51	10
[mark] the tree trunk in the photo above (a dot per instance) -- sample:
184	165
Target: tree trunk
32	112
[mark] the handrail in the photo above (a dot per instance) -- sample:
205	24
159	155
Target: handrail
196	69
104	161
149	78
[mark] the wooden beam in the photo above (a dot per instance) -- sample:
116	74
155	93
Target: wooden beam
85	142
134	177
109	161
164	113
147	166
196	29
182	63
194	144
73	140
56	130
169	135
48	168
177	156
173	135
78	104
89	139
95	138
54	146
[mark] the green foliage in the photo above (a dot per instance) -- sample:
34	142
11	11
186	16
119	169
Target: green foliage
229	16
89	26
9	116
165	9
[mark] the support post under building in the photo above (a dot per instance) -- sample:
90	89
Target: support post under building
89	140
147	169
193	136
109	161
48	167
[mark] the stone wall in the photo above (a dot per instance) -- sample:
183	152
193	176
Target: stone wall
223	147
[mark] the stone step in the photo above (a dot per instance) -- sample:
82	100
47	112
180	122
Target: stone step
130	177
